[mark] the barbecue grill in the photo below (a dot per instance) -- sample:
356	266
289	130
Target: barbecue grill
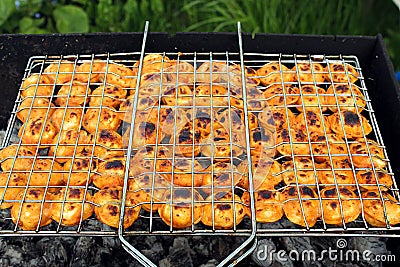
366	54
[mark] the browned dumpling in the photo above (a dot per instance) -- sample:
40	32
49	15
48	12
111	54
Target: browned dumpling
189	173
39	108
73	95
184	213
312	98
311	211
275	119
151	84
67	143
37	85
304	174
235	79
267	173
344	96
107	119
333	212
11	184
181	72
370	180
219	95
353	126
219	72
314	123
336	147
307	74
67	118
91	69
71	207
117	74
188	141
14	157
38	130
145	103
110	173
108	144
375	209
342	168
80	170
274	73
342	73
262	140
46	172
34	214
153	63
268	206
367	156
148	190
221	177
183	96
60	72
107	96
108	207
226	213
294	141
275	96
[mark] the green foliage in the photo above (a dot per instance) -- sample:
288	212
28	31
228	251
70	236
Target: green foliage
353	17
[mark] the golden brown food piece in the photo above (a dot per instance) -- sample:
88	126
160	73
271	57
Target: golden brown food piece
307	74
38	130
117	74
311	211
262	140
82	170
228	211
148	191
67	118
374	209
189	173
108	96
17	160
336	147
314	123
333	213
108	144
151	84
341	73
73	95
107	119
342	168
60	72
69	142
304	174
144	103
215	72
153	63
268	206
297	137
353	126
181	72
46	172
39	108
143	161
271	74
312	98
181	97
34	214
72	207
365	156
344	96
219	95
91	69
184	214
37	85
267	173
275	119
275	96
11	184
369	180
110	173
225	176
108	207
235	79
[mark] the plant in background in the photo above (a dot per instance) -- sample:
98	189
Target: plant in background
360	17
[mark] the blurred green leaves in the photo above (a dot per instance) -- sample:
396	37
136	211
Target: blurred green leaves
337	17
71	18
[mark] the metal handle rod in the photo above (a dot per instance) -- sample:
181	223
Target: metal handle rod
125	244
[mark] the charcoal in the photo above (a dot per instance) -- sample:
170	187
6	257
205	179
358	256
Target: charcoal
53	251
179	254
261	254
299	244
376	245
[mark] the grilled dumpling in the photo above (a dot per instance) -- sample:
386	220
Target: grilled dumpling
333	212
60	72
71	207
69	142
226	213
110	173
108	207
91	69
107	96
344	96
370	180
34	214
36	130
312	98
22	159
294	141
340	173
107	119
353	126
108	144
118	75
67	118
46	172
181	72
37	85
341	73
304	174
306	213
73	95
80	170
39	108
15	184
307	74
374	209
274	73
268	207
366	157
275	96
275	119
336	147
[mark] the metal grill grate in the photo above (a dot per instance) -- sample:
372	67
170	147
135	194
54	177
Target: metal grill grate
189	142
